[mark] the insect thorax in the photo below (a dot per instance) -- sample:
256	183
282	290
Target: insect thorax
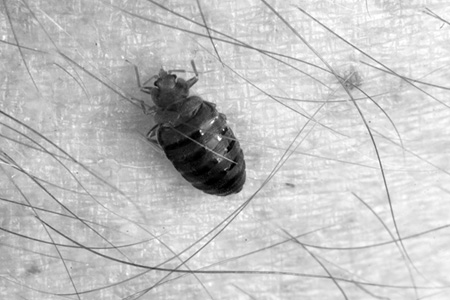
178	112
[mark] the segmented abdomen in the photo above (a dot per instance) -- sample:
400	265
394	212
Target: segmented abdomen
205	151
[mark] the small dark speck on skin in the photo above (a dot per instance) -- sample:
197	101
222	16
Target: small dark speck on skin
290	184
33	270
352	78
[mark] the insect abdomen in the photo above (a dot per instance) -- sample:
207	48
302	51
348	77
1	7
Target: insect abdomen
205	151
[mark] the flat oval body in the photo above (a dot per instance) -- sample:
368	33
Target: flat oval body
205	151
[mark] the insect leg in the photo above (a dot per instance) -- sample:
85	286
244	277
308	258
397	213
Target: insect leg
145	107
151	136
148	110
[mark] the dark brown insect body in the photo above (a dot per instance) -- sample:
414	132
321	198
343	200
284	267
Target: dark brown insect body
195	136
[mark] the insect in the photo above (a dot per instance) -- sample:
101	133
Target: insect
194	136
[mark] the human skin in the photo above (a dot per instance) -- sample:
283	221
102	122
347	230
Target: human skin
346	197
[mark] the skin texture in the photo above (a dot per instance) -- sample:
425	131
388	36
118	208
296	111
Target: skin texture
346	197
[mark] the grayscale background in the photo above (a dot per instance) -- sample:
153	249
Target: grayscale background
357	205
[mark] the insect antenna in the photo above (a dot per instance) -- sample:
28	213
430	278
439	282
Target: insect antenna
194	68
193	80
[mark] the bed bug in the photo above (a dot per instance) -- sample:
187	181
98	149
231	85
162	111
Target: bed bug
194	136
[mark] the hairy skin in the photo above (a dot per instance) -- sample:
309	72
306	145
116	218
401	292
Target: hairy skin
313	220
